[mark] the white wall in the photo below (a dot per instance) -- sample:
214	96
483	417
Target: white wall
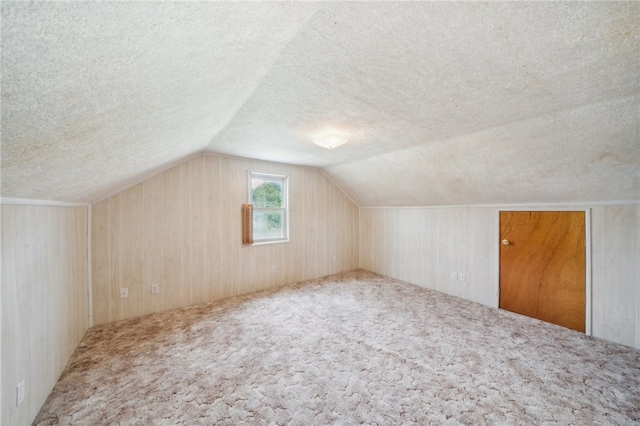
44	301
424	245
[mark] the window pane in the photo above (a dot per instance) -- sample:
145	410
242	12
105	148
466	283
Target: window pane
268	225
266	193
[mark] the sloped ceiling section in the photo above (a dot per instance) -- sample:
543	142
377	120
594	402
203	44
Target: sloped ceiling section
443	103
95	94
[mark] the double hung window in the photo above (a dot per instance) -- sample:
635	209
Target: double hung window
269	196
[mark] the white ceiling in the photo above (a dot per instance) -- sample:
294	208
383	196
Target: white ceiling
443	103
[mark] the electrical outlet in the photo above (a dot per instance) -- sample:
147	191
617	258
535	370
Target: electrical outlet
273	269
333	259
155	289
20	393
124	293
462	276
454	276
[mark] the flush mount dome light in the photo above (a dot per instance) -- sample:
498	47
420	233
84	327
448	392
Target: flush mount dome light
330	141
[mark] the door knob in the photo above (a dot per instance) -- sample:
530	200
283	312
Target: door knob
505	242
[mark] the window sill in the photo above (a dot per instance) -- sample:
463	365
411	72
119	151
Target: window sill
266	243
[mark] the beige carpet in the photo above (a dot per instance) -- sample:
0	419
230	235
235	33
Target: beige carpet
352	348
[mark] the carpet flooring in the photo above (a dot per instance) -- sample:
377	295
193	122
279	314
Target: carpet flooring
351	348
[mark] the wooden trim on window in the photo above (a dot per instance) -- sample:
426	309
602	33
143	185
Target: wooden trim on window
247	224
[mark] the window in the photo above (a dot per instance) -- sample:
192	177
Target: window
270	199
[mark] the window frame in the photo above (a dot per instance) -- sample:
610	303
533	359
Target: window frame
284	180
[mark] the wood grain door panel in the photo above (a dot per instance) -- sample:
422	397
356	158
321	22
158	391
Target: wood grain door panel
543	268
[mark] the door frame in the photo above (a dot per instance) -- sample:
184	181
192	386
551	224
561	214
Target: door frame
587	236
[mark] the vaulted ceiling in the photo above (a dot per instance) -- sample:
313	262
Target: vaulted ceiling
443	103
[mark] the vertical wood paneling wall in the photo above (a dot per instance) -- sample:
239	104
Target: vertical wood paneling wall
182	230
44	301
424	245
615	256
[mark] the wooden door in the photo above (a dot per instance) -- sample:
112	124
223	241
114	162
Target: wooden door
542	266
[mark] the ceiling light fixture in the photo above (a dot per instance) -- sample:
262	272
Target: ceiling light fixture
330	141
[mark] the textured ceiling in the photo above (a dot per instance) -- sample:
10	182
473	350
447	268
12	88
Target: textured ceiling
443	103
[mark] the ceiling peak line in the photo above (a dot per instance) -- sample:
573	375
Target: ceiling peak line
259	81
